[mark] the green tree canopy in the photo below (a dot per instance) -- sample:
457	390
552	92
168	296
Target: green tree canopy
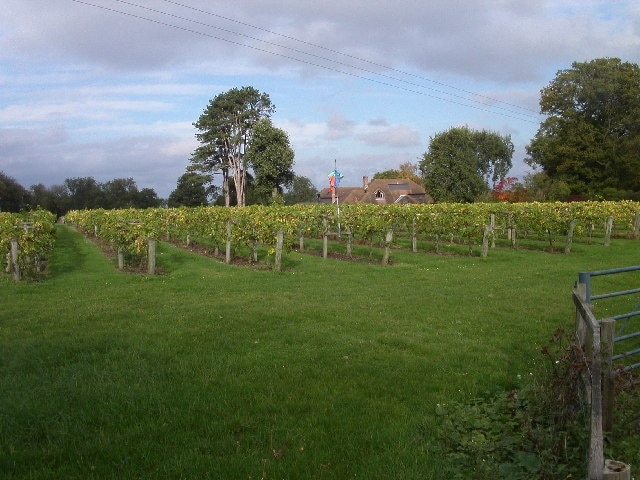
83	192
302	190
591	137
405	170
120	193
191	191
385	174
225	131
13	196
461	163
271	157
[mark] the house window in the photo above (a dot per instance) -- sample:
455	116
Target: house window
379	194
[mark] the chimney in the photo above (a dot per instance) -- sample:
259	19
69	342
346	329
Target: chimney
365	183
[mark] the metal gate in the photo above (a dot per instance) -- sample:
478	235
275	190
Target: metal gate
621	319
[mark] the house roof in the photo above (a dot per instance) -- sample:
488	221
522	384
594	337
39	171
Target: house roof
382	191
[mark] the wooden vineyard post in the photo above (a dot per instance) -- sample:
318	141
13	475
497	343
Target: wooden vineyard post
325	239
349	246
493	229
152	256
511	231
608	227
227	255
485	241
277	266
15	268
387	246
414	238
120	259
254	249
572	227
636	225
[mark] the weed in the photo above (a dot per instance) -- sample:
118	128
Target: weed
537	430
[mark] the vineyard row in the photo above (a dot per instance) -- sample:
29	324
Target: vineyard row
129	229
26	239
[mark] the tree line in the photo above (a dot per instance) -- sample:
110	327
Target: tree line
586	148
75	194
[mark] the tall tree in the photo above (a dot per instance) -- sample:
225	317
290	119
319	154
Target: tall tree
225	130
191	191
13	196
302	190
591	137
386	174
461	163
84	192
120	193
271	157
405	170
148	198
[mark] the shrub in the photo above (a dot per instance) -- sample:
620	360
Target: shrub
537	430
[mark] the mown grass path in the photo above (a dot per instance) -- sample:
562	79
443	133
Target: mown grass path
331	369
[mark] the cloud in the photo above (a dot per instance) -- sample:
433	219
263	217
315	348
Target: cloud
338	127
378	134
508	40
88	91
153	161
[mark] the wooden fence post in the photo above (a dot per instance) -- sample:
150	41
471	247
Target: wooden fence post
152	256
607	333
596	445
279	246
593	353
15	268
387	246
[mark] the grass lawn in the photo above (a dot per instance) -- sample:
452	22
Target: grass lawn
328	370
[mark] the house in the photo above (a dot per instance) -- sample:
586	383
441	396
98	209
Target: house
382	191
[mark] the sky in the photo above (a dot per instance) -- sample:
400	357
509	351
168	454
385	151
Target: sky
111	88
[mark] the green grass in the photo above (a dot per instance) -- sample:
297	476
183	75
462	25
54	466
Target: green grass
329	370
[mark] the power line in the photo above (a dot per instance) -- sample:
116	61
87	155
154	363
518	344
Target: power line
411	84
470	103
354	57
